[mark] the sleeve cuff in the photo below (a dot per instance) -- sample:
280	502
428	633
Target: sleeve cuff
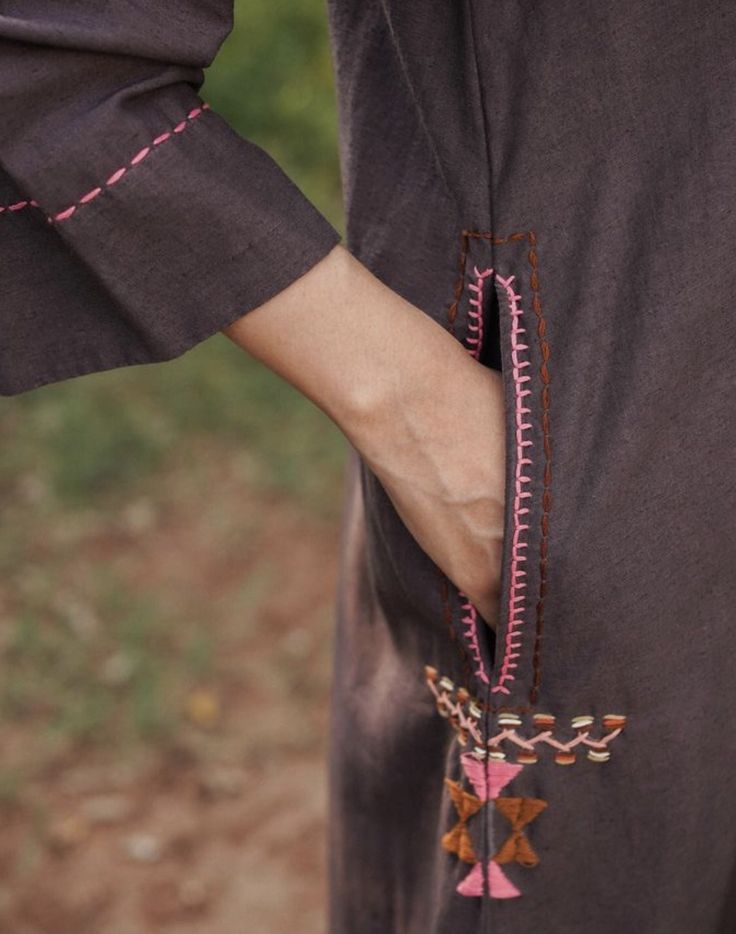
199	230
175	241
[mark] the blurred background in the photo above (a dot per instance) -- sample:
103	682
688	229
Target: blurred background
167	579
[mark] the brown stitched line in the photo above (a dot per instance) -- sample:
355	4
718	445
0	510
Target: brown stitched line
531	238
547	474
464	248
460	283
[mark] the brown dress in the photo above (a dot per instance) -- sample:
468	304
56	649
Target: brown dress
553	183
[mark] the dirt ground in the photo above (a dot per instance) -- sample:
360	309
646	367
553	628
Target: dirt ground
220	828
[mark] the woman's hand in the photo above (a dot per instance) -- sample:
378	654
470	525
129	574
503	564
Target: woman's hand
438	450
427	418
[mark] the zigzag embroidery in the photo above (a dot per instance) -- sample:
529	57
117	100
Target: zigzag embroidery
464	714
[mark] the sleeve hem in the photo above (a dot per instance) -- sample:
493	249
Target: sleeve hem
201	231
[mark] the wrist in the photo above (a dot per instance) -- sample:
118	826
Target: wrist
390	415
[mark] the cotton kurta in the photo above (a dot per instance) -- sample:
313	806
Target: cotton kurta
554	184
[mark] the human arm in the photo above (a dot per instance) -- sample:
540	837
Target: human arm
379	367
186	228
179	224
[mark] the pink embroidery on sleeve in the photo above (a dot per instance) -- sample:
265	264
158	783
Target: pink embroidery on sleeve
488	770
113	179
136	160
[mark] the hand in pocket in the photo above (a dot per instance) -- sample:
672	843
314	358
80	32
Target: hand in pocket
440	456
425	415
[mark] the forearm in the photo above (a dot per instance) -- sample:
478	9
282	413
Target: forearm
349	343
387	374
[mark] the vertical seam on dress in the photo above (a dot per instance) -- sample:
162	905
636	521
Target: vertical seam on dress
485	890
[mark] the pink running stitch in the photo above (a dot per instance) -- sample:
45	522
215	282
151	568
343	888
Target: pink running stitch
518	584
116	175
18	206
475	327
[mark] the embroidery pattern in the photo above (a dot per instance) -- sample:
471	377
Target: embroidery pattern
500	740
458	839
476	302
116	175
475	314
465	713
488	779
519	812
470	622
488	770
18	206
517	596
547	471
444	588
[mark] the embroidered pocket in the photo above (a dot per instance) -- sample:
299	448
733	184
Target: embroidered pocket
497	313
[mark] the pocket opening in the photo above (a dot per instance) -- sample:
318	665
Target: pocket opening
498	334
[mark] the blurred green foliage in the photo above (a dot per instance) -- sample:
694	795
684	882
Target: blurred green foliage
79	450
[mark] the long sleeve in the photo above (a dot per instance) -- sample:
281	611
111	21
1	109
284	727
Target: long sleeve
136	221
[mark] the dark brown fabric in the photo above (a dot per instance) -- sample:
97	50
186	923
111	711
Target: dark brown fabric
583	152
607	131
202	231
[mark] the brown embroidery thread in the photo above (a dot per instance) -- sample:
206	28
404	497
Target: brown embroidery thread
547	473
458	839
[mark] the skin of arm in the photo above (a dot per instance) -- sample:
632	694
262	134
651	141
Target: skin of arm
381	369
